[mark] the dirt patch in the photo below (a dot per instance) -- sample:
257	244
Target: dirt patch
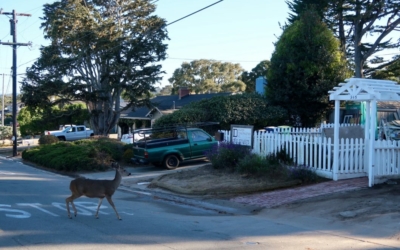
206	180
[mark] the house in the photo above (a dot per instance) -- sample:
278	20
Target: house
351	113
163	105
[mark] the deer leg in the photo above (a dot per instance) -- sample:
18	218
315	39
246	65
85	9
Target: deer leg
98	207
71	200
67	204
112	204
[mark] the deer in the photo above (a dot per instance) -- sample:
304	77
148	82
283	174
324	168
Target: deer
96	189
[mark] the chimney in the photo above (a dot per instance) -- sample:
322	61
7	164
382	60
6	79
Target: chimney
183	91
261	82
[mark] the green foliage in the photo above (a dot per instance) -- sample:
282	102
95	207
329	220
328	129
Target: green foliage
183	116
107	146
303	173
233	109
249	78
237	158
47	139
391	72
257	165
82	155
96	52
128	154
34	121
298	7
227	155
306	64
361	33
283	157
202	76
6	132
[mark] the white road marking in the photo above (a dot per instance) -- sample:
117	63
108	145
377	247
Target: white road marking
21	215
7	173
36	205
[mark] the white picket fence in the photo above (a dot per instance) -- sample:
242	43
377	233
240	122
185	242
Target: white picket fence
308	147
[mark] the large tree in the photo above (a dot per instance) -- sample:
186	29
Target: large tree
203	76
364	28
249	78
98	49
305	65
391	72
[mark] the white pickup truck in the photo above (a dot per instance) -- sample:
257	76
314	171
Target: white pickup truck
72	133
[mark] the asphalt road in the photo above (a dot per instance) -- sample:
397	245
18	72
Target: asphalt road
33	216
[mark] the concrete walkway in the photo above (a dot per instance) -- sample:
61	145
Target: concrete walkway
279	197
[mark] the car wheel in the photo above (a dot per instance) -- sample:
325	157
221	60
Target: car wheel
61	138
171	161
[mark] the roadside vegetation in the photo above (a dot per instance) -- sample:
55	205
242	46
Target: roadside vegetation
82	155
96	154
278	167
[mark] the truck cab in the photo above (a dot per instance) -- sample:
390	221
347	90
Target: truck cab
169	148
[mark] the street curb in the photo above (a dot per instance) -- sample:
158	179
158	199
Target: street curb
157	182
216	205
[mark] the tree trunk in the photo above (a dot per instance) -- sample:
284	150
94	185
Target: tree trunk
358	57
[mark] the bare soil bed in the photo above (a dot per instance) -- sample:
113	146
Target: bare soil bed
206	180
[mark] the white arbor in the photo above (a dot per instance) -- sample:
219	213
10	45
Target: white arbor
369	91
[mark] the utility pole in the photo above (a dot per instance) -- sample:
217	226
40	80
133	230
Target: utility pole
13	32
2	106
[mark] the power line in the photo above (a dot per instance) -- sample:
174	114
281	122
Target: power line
149	30
194	12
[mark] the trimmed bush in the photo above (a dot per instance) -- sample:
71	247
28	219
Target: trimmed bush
82	155
128	155
48	139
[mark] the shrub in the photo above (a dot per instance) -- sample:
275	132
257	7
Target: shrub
283	157
82	155
303	173
127	156
269	166
227	155
48	139
252	164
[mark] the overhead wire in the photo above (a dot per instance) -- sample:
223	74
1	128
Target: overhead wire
150	30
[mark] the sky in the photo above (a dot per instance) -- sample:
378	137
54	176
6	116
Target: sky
235	31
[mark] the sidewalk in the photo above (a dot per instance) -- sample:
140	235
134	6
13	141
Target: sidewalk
285	196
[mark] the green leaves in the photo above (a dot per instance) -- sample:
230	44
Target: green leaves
235	109
306	64
202	76
98	49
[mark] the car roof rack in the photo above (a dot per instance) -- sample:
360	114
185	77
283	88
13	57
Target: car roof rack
180	126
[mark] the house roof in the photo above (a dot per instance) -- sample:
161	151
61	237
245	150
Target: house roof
388	105
360	89
167	104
